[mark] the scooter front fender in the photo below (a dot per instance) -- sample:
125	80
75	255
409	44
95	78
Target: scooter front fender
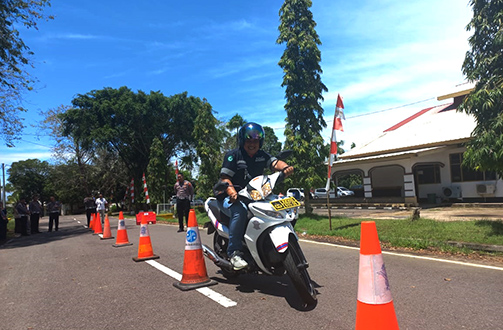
280	235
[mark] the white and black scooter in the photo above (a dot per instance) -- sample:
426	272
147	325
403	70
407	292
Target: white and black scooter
270	239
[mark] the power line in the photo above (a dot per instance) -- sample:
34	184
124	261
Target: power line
378	111
394	108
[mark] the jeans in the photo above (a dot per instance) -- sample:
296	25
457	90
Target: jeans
237	226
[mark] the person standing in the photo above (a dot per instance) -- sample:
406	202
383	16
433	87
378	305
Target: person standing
53	208
22	218
184	194
101	206
90	205
35	211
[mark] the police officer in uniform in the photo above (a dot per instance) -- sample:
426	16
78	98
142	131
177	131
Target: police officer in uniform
184	194
239	167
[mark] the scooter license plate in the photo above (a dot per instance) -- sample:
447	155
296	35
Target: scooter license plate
285	203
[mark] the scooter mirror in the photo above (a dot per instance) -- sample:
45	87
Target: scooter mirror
220	186
284	154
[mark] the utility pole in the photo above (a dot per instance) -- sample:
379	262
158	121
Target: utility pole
3	187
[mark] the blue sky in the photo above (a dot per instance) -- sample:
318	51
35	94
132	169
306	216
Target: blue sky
377	54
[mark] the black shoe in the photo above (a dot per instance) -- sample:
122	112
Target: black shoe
180	230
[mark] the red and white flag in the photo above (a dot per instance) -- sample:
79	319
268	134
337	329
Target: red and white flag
176	169
131	190
339	114
337	126
145	190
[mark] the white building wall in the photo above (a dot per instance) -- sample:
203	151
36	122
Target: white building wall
386	178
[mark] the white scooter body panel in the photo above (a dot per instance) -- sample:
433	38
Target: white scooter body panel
264	217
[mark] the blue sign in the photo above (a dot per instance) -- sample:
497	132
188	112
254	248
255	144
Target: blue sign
191	236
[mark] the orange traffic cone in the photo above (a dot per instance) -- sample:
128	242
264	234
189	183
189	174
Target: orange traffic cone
107	234
122	239
194	269
145	251
374	309
98	228
91	223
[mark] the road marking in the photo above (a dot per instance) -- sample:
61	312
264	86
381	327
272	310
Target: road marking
213	295
408	255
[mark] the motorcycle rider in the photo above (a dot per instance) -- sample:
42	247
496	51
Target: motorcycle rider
239	167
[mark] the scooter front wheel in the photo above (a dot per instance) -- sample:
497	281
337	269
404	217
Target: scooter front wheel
296	268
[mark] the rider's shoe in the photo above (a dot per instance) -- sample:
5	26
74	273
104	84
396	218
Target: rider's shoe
237	261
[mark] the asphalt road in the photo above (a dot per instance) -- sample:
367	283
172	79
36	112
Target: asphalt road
73	280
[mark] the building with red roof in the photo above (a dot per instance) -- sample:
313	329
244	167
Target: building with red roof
419	159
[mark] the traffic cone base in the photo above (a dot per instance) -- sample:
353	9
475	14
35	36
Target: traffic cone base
378	317
145	251
146	258
107	234
374	308
122	239
194	269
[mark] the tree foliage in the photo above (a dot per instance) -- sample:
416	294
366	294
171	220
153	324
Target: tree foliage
31	177
15	57
483	64
234	124
126	123
303	93
160	175
208	136
67	149
271	143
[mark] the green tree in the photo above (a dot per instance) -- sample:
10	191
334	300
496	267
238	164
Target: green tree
208	137
304	88
483	64
65	184
271	142
30	177
235	124
15	57
158	173
126	123
66	149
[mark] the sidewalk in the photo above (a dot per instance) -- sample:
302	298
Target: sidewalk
454	212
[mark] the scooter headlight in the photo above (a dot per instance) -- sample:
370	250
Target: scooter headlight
255	195
273	214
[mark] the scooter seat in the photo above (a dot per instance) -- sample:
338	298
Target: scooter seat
222	214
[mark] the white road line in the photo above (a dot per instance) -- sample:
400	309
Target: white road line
409	256
213	295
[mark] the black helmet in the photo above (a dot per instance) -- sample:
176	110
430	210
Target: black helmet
251	131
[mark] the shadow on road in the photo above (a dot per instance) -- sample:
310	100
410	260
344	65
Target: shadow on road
44	237
277	286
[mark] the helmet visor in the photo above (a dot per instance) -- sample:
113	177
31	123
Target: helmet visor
252	132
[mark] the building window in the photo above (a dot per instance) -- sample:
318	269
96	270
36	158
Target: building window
428	174
460	173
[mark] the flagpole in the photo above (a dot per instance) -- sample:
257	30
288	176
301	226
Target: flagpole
338	116
328	181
